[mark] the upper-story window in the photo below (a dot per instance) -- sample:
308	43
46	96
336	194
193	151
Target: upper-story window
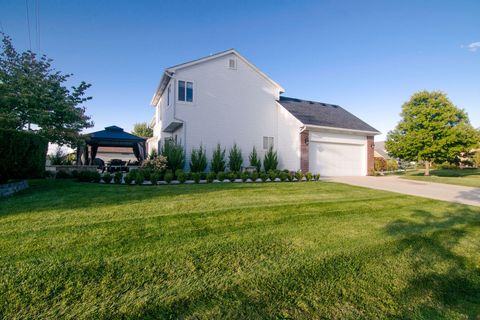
169	90
185	91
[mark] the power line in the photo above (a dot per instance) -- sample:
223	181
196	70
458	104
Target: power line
37	23
28	26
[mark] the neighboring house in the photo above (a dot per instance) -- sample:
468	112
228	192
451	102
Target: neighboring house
380	151
225	99
121	153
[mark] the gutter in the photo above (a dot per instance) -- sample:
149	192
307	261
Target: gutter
341	129
161	87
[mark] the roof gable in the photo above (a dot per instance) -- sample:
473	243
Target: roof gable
171	70
324	115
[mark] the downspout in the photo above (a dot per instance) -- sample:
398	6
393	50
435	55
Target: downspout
178	119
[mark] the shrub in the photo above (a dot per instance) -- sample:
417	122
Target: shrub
179	172
130	177
168	177
476	159
264	176
245	176
139	178
231	176
117	178
309	176
235	159
198	160
316	177
196	177
221	176
181	176
174	154
147	173
107	177
254	160
392	165
203	175
96	177
447	165
155	177
156	164
283	176
211	176
272	175
85	176
218	159
299	175
23	155
291	176
254	176
270	161
62	174
379	164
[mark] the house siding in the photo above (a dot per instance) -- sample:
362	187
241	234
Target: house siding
230	106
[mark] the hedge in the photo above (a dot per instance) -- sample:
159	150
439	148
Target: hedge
22	155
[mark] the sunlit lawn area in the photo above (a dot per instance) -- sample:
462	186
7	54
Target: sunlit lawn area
244	251
463	177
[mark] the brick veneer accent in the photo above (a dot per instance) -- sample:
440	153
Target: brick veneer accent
370	155
304	151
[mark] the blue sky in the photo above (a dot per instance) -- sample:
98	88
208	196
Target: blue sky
367	56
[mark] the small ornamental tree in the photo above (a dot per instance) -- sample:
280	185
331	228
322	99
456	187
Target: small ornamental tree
142	130
218	159
254	160
270	161
432	129
198	160
235	159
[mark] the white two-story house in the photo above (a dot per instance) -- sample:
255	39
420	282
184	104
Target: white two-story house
223	98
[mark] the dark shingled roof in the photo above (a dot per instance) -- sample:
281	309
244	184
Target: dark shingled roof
323	114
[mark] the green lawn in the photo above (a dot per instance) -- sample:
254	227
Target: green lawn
463	177
248	251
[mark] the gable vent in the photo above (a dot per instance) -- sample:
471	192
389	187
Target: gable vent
232	64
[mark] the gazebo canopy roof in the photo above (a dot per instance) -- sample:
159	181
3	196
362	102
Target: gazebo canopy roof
112	136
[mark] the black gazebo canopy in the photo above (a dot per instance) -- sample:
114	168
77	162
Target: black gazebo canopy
112	136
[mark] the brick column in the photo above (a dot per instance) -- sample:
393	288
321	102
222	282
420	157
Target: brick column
304	151
370	155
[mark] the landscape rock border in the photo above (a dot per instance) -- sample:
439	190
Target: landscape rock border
7	189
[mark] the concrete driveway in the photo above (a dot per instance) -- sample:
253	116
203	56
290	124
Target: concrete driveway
438	191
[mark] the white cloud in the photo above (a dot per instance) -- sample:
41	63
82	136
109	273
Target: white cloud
474	46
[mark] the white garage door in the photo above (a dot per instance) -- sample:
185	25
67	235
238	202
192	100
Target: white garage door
337	159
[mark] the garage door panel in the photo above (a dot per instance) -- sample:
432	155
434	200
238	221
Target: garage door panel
336	159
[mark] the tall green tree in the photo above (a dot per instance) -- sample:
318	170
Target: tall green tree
255	160
34	97
218	159
142	130
432	129
235	159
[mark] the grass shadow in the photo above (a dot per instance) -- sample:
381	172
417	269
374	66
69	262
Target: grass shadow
444	275
43	195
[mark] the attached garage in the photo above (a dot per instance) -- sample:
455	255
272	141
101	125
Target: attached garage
332	141
337	155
